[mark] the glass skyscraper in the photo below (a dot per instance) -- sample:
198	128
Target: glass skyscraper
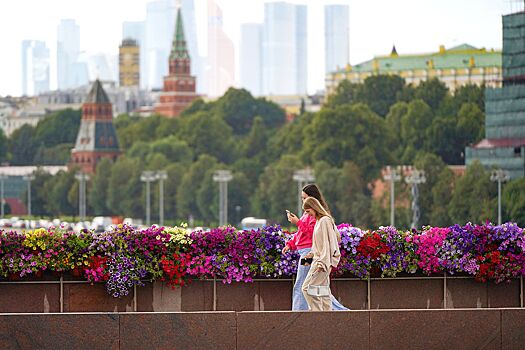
70	72
251	58
337	37
284	48
35	67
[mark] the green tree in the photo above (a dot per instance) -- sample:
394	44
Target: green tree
441	197
207	134
433	167
190	184
276	190
21	145
4	146
98	193
346	193
345	93
58	128
432	91
238	108
413	126
57	190
39	194
473	197
124	188
380	92
513	201
349	132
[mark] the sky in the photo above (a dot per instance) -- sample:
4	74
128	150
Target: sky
413	26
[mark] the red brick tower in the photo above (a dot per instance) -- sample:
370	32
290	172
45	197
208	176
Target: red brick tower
179	85
96	137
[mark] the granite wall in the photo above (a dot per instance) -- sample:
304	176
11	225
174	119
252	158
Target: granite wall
261	295
373	329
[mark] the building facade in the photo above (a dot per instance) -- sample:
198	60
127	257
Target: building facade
35	67
455	67
96	137
284	49
70	71
504	143
179	85
129	63
250	58
221	54
336	37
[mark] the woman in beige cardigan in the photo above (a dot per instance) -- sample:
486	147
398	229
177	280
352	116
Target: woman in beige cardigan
326	255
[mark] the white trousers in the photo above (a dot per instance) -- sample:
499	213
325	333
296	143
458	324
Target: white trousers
317	278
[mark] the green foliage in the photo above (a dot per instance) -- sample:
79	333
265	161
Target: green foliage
349	132
98	194
238	109
380	92
22	146
473	197
432	92
513	201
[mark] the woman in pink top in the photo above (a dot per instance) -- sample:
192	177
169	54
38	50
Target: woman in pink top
302	242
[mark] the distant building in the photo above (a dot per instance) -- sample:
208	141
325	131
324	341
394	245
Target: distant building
251	58
136	30
126	99
70	72
284	49
179	84
96	137
504	143
221	54
129	63
158	32
455	67
35	67
337	37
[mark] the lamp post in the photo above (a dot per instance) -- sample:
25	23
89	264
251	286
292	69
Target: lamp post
161	175
223	177
414	179
148	177
82	178
393	176
2	179
302	176
499	176
29	178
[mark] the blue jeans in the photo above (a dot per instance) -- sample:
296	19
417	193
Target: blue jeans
298	300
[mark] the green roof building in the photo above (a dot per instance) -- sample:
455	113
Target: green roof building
457	66
504	143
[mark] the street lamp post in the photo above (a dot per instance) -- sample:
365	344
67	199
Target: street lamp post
148	177
223	177
161	175
82	179
29	178
499	176
393	176
302	176
2	179
414	179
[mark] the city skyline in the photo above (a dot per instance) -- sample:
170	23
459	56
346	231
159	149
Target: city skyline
372	33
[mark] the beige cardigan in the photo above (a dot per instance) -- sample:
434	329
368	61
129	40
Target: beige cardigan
325	244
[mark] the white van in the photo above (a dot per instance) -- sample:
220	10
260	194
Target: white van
251	223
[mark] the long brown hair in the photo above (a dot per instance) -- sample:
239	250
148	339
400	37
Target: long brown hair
313	191
313	203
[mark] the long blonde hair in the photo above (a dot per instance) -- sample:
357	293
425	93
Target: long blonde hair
313	203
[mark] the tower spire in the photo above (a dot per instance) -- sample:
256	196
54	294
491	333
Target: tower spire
178	47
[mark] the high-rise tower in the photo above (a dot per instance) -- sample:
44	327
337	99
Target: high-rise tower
96	137
179	84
